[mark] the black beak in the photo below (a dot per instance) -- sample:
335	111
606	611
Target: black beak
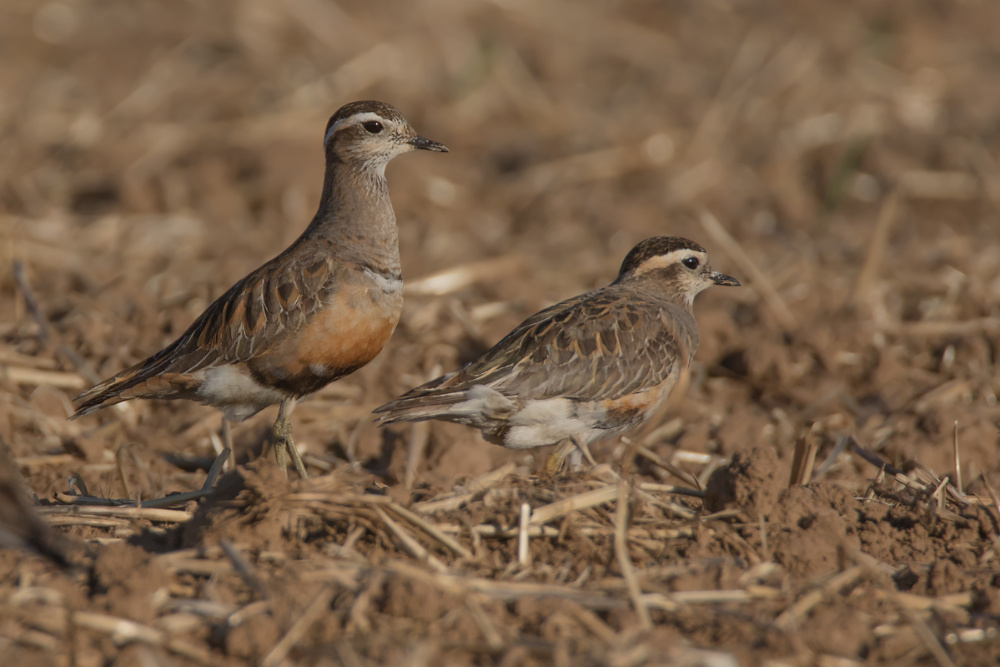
723	279
428	145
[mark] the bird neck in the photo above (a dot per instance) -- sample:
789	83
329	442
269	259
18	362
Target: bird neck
659	285
355	215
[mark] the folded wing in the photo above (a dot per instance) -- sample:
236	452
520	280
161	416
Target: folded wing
596	346
243	323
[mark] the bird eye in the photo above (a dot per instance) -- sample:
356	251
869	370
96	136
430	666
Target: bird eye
372	126
691	262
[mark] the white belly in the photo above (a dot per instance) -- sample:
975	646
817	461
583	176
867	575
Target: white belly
549	421
235	393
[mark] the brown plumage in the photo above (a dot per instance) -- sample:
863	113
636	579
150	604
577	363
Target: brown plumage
591	366
321	309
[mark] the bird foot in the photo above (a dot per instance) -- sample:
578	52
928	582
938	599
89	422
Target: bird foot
284	446
553	465
573	450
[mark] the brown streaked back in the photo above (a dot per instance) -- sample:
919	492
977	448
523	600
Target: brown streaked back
600	345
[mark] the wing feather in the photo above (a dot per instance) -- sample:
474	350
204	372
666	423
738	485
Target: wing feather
246	321
600	345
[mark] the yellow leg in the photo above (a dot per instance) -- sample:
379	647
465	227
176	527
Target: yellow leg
227	434
585	450
284	445
555	462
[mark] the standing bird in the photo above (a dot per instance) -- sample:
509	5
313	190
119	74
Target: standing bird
592	366
320	310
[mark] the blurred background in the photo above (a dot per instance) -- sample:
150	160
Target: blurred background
840	158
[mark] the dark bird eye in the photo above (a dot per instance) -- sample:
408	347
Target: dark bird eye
372	126
691	262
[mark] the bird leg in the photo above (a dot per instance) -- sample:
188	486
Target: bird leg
227	434
554	463
582	447
283	443
574	448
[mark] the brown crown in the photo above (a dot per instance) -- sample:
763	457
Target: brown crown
658	245
364	106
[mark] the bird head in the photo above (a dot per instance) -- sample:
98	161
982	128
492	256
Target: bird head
678	266
369	134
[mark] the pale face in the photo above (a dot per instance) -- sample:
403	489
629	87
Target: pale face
685	270
374	139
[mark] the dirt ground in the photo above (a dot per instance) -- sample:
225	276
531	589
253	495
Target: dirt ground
839	158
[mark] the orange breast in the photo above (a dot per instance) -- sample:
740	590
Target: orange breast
630	410
348	333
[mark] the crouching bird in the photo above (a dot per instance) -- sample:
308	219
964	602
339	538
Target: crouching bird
320	310
590	367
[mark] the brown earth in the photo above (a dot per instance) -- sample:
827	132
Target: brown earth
153	153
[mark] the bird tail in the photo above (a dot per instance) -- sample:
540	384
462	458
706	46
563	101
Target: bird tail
134	383
474	405
417	408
